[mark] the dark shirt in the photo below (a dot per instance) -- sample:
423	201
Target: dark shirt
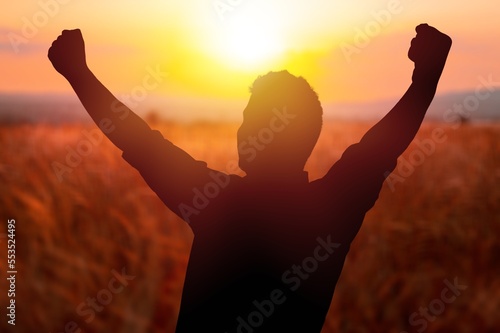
266	255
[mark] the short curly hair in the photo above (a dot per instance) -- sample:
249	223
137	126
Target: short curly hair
284	90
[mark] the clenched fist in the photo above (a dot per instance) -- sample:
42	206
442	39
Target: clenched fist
429	50
67	53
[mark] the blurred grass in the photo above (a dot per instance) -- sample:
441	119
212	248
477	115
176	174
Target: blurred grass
442	222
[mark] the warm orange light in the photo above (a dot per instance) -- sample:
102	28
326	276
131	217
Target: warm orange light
248	45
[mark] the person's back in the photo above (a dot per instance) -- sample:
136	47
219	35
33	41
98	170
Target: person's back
268	248
264	255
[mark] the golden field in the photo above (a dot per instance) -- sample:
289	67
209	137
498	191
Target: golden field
442	222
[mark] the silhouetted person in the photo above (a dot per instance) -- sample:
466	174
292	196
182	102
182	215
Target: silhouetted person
269	247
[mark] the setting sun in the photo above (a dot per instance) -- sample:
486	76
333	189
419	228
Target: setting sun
246	44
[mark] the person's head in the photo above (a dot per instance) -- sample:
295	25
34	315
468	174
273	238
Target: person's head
281	124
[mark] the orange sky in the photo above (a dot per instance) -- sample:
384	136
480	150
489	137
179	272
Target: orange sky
201	47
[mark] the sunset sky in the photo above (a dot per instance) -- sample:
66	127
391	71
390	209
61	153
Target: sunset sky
212	50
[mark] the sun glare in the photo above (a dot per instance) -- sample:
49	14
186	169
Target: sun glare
249	45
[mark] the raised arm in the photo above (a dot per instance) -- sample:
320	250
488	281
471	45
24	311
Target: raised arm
117	121
396	130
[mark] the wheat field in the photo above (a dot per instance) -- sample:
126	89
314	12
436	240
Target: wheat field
76	234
